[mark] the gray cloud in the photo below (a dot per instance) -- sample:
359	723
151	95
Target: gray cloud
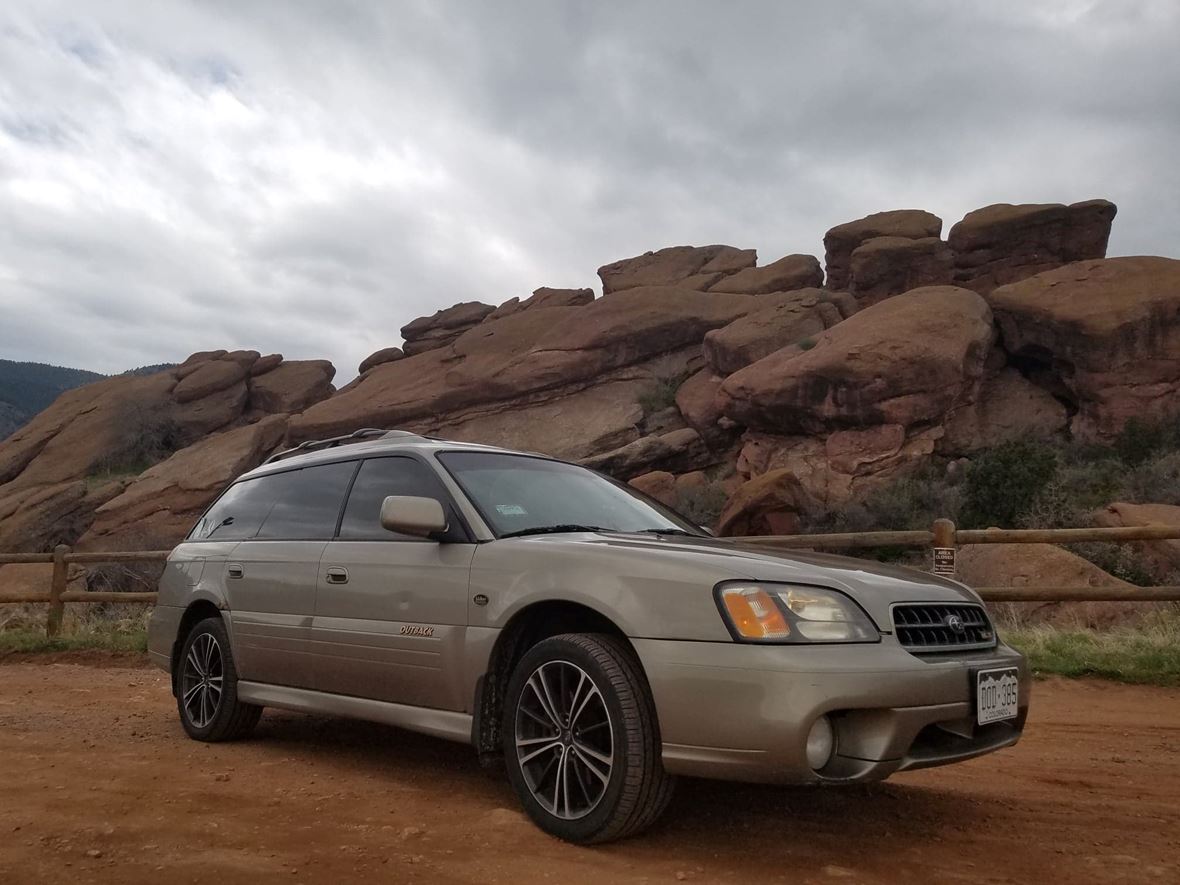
308	177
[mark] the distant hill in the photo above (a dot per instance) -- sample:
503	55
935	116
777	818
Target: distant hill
27	388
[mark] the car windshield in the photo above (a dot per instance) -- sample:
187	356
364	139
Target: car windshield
522	494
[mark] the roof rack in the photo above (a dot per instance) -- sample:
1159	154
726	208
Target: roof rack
314	445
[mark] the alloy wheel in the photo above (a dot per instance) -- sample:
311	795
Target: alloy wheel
201	680
564	739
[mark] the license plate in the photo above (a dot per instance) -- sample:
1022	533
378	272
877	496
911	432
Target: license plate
996	693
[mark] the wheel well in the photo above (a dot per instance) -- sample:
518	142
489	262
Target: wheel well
526	628
193	615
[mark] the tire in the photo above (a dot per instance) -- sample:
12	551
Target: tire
595	775
206	662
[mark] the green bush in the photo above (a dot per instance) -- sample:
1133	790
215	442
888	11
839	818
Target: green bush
702	504
1141	438
1003	483
660	394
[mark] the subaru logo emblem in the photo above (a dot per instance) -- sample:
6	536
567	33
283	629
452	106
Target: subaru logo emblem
954	623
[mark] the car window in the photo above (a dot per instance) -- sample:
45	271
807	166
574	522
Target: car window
306	503
238	513
517	493
379	478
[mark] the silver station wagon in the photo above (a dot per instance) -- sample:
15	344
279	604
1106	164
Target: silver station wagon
590	637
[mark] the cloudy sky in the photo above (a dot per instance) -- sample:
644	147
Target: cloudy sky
308	177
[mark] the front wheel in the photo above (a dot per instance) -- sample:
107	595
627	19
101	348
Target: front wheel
581	740
207	686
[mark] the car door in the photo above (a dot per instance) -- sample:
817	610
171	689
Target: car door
391	610
270	577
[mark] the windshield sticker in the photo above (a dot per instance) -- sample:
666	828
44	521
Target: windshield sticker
510	510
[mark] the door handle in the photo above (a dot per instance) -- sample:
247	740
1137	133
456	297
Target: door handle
233	570
337	575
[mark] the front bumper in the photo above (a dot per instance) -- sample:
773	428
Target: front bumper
742	712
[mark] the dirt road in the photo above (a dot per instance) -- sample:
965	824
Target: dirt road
99	784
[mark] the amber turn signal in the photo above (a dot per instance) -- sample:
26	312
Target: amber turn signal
754	614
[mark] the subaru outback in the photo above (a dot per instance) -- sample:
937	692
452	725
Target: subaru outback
593	639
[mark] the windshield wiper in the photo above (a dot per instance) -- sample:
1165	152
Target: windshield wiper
667	532
555	529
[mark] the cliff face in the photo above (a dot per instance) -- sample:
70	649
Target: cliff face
912	348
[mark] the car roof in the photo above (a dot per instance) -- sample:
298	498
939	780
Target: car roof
351	447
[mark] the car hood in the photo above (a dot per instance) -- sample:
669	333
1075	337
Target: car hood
876	586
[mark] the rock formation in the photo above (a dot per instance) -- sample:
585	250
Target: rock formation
1004	243
83	450
697	363
1103	334
842	240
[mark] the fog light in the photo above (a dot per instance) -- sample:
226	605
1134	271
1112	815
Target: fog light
821	741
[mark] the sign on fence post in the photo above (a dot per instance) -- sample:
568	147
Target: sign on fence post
943	542
944	561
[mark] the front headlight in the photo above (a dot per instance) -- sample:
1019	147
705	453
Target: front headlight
792	613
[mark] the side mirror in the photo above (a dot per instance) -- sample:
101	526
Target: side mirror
413	516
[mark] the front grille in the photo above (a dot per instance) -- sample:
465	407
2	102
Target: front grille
928	627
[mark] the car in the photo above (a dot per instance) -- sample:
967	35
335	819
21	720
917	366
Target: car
592	639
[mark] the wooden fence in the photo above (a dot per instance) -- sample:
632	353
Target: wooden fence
942	539
62	558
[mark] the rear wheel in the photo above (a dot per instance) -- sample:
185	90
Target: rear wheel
207	686
581	740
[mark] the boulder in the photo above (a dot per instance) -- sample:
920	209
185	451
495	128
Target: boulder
160	506
844	466
908	360
678	450
790	318
790	272
1009	407
1161	557
384	355
769	504
579	424
1104	333
35	520
687	267
543	297
1045	565
93	440
213	376
659	484
842	240
292	387
1004	243
443	327
265	363
696	399
524	359
885	266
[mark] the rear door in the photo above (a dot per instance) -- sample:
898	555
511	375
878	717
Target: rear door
391	610
270	578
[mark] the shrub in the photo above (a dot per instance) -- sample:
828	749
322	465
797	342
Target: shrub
1003	483
806	344
657	397
1141	438
702	504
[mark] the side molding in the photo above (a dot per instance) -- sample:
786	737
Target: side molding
445	724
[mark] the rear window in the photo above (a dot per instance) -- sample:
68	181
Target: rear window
296	505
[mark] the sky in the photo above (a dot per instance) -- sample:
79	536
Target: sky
306	178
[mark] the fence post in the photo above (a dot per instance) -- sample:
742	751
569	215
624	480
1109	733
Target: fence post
944	547
61	573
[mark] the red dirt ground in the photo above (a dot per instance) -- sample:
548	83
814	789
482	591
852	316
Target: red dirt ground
99	784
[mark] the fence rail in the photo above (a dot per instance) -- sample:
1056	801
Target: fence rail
943	539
